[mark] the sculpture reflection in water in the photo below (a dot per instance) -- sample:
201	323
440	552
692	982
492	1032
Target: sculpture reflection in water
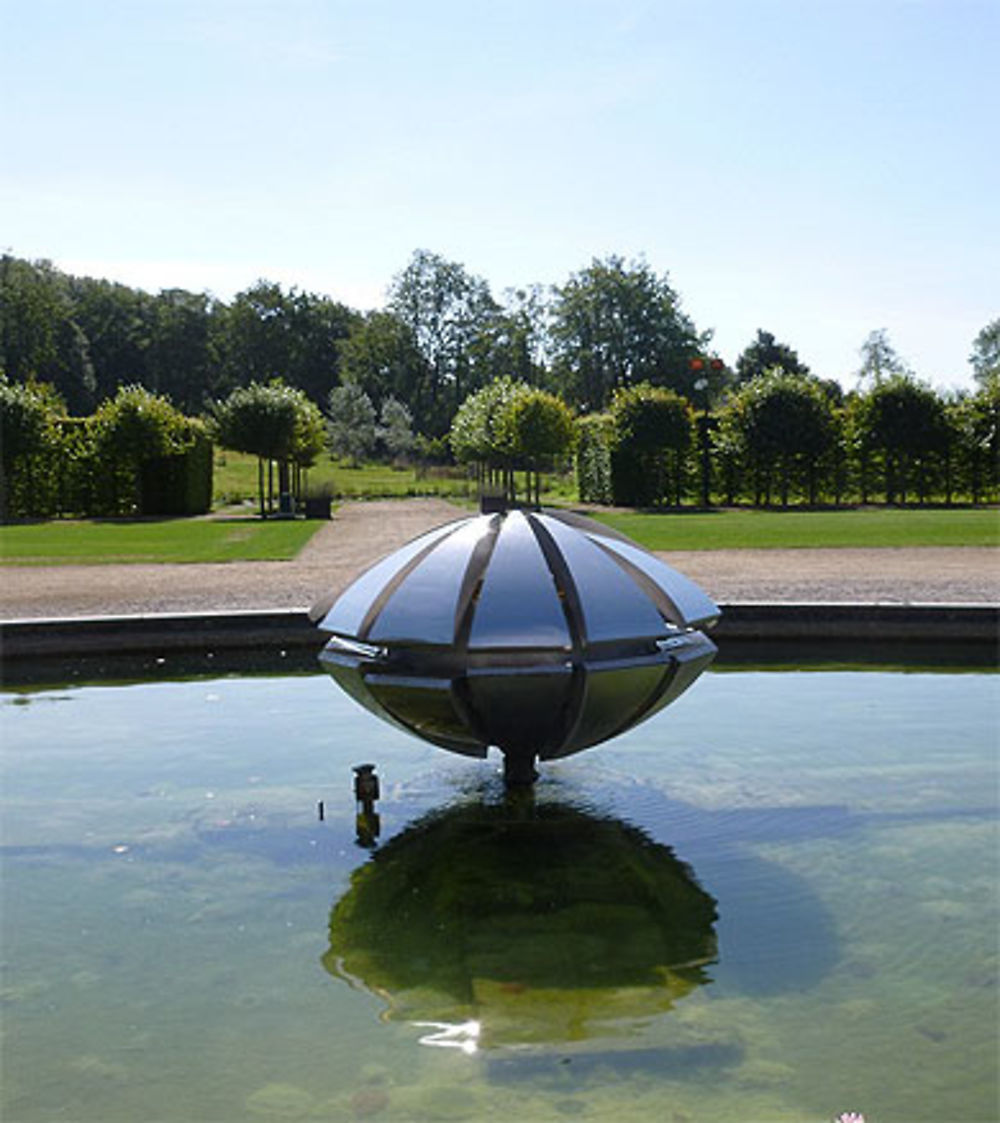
513	924
541	633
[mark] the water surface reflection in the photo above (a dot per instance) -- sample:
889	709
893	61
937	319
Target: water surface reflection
520	923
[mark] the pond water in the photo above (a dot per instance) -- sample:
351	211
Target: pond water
775	901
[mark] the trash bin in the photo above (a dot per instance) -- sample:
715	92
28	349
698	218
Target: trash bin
318	507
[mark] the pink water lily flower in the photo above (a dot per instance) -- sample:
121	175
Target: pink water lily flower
850	1117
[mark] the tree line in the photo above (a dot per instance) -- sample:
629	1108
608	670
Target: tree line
441	335
780	439
655	404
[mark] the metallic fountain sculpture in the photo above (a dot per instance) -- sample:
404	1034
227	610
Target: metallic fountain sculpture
539	632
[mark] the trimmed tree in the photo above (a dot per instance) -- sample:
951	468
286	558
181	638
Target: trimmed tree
280	426
902	433
593	457
509	425
652	431
540	433
477	435
131	429
778	432
26	442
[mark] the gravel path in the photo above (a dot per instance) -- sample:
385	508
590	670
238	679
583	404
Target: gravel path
361	532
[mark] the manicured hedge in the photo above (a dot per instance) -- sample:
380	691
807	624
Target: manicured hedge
136	456
593	457
179	485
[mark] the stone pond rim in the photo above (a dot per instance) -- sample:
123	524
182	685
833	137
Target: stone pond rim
43	649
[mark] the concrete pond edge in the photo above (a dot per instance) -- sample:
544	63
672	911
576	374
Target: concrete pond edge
201	642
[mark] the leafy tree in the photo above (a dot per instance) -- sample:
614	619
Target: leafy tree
513	342
975	420
116	322
39	336
31	306
652	434
593	457
351	428
447	311
615	325
985	356
879	360
180	354
266	332
766	354
509	425
781	428
539	432
133	427
279	425
381	357
395	431
902	432
319	326
253	335
26	437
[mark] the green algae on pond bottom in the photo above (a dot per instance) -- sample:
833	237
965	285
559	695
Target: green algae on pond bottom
775	902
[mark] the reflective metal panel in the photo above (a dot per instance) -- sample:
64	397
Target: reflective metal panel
521	711
691	660
349	609
518	605
422	609
425	707
614	607
347	675
613	699
694	608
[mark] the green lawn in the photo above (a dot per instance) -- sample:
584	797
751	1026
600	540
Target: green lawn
164	540
870	526
246	538
235	480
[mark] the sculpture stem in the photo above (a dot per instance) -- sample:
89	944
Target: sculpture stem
519	769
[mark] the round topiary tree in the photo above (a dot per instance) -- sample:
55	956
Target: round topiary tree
903	431
478	435
539	430
510	425
277	424
781	428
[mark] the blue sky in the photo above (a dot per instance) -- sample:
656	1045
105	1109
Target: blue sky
817	168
